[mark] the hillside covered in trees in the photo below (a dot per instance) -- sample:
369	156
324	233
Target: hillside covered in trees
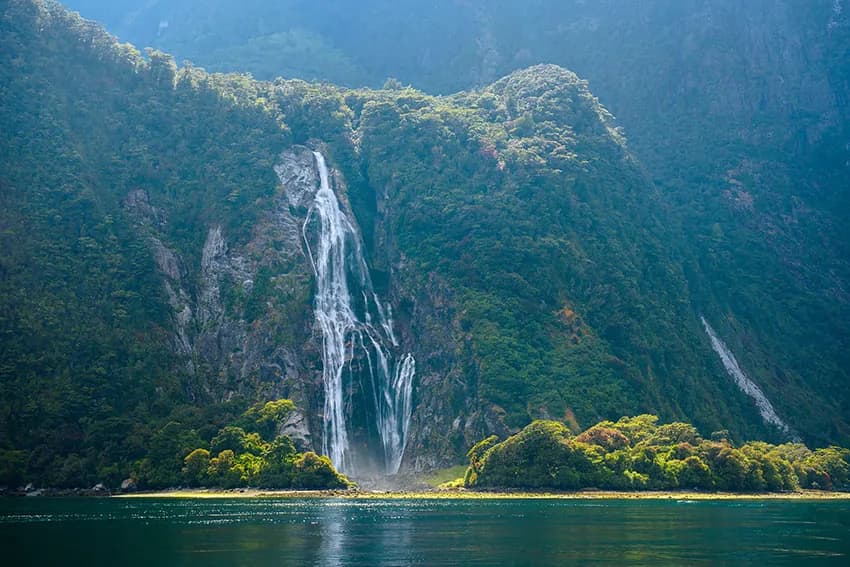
736	110
155	283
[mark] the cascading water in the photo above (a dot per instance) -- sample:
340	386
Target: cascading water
395	421
750	388
337	255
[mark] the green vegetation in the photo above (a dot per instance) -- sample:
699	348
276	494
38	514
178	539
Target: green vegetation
245	457
525	251
636	453
752	167
90	383
524	199
440	478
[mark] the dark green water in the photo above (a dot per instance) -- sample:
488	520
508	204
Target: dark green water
36	531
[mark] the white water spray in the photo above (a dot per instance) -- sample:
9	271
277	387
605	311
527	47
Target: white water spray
337	255
395	420
750	388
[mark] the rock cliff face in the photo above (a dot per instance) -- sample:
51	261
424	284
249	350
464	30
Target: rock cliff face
449	415
242	324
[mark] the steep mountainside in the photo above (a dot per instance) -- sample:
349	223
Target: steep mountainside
118	181
738	111
161	266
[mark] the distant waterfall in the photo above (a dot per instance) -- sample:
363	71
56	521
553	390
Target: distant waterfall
750	388
336	256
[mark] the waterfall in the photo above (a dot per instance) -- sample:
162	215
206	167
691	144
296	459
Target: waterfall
750	388
395	422
337	260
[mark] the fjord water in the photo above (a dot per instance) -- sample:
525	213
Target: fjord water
432	532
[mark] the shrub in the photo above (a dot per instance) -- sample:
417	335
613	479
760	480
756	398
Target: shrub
314	472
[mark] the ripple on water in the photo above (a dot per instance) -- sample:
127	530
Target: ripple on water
424	532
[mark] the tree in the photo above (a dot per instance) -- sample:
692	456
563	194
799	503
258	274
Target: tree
606	437
268	417
313	471
829	467
392	84
672	433
536	457
12	467
162	67
695	474
196	467
280	459
475	456
229	438
222	470
637	428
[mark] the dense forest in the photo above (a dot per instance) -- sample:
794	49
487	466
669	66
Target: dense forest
638	453
541	261
89	380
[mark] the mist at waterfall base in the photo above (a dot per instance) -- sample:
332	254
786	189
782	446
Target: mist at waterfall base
367	378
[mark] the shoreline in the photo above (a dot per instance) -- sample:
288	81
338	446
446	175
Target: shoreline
202	493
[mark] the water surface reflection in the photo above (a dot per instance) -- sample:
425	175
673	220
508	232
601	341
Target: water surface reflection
422	532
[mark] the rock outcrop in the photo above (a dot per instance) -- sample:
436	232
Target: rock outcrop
241	322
